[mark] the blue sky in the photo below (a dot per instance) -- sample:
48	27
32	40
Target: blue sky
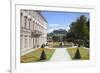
61	20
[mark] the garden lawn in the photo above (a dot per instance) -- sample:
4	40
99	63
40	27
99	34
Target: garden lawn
34	56
83	52
54	44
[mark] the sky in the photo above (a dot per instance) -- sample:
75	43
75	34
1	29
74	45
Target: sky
61	20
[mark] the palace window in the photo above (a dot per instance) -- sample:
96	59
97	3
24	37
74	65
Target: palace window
30	42
33	43
33	25
25	45
25	21
21	13
21	41
21	18
29	23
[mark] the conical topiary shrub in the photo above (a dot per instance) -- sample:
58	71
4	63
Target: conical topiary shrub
77	54
43	55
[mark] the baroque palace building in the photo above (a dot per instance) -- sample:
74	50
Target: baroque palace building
32	30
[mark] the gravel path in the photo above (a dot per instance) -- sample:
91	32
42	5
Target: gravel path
61	54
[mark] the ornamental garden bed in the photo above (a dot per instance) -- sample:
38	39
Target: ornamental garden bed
84	53
34	56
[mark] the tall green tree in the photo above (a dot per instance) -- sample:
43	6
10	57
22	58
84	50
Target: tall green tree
79	31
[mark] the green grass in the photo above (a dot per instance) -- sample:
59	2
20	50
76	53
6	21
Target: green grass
57	44
34	56
83	52
54	44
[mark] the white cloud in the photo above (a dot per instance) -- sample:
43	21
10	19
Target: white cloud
67	28
54	25
52	29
